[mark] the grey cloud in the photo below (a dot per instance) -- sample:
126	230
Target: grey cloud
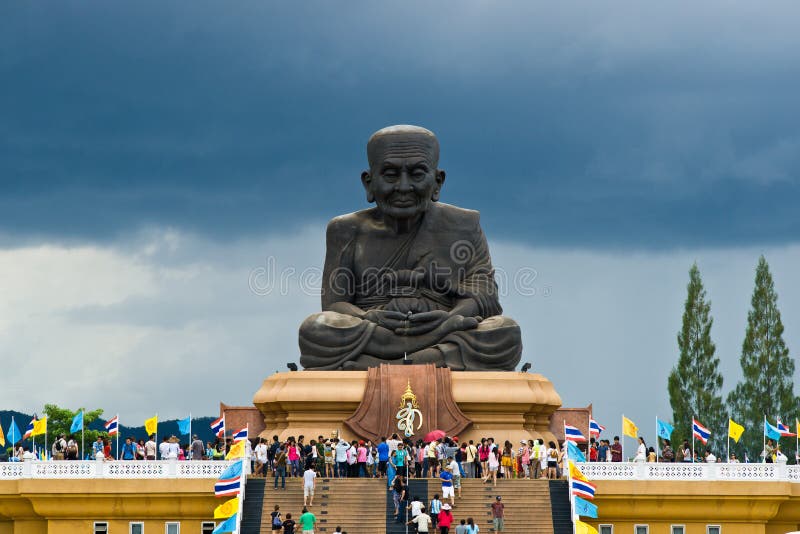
605	125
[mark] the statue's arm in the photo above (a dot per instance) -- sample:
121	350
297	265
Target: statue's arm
478	289
338	277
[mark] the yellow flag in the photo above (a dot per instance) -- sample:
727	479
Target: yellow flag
584	528
151	425
575	473
735	430
227	509
39	427
628	428
2	437
237	451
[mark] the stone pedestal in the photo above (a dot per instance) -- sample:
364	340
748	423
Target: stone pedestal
503	405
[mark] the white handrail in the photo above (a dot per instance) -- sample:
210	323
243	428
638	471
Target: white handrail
131	469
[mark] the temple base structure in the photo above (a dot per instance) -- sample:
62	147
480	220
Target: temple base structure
499	404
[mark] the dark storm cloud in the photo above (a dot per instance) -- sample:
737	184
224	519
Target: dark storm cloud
584	125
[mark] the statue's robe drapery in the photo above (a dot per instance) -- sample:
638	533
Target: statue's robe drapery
450	250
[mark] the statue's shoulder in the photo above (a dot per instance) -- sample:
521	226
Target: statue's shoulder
349	224
453	215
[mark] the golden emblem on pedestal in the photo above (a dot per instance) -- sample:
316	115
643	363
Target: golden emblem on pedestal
408	413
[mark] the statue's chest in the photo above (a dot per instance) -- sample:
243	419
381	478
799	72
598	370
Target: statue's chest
377	252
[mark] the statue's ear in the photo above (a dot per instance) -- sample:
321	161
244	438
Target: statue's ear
440	176
366	181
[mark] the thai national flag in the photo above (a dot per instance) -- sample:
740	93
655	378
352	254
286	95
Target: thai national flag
228	486
29	430
112	426
573	434
218	427
700	432
240	434
595	428
783	429
584	489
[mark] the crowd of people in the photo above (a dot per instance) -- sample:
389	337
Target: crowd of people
603	451
396	461
338	458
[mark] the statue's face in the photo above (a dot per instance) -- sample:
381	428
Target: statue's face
403	179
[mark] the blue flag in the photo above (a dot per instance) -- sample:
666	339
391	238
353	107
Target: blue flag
234	470
184	425
77	423
585	508
229	525
771	432
664	429
14	434
574	452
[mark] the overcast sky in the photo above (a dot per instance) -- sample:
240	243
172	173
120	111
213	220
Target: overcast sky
157	156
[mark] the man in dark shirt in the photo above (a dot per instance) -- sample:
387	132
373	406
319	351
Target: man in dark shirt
616	450
498	514
288	525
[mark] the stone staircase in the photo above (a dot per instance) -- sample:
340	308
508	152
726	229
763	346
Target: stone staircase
362	506
357	504
527	505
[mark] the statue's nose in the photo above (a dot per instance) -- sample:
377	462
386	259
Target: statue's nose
404	183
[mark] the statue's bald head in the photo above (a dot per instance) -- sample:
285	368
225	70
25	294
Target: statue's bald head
403	136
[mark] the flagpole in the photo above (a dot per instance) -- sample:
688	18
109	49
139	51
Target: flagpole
118	430
155	455
13	448
569	483
190	432
796	439
622	443
45	439
728	459
83	429
657	445
764	440
693	418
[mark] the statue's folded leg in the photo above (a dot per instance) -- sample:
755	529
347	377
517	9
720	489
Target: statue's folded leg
329	339
495	345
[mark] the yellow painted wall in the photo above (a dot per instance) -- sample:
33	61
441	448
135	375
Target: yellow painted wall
738	507
54	506
51	506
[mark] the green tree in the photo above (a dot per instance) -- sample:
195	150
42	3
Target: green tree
695	382
766	387
59	421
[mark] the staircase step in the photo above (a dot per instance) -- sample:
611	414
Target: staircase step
364	506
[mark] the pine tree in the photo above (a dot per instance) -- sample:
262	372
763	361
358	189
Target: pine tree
767	387
694	384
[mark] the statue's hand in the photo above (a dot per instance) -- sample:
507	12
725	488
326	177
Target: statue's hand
422	323
391	320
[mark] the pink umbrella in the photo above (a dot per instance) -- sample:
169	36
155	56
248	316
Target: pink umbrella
433	435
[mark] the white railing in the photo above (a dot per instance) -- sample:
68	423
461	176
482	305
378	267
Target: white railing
689	471
113	469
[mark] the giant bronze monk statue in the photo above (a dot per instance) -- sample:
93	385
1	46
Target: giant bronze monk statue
410	278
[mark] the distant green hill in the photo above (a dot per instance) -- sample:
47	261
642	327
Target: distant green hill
200	426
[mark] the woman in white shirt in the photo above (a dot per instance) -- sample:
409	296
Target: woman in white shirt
641	452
